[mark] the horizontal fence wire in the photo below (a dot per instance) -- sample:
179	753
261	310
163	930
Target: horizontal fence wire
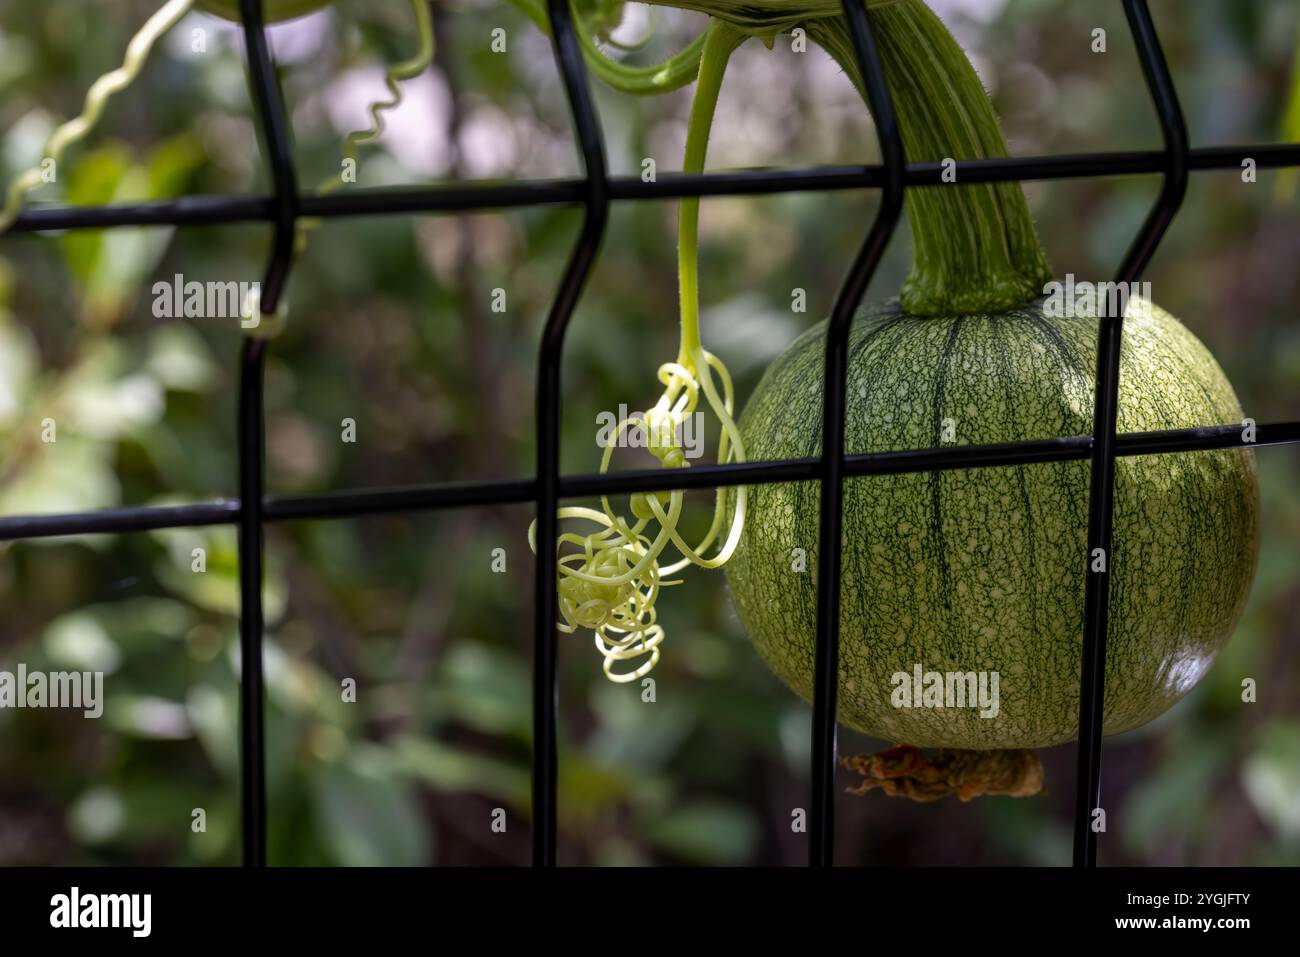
487	196
448	495
595	191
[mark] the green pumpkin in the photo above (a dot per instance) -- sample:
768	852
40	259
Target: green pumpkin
984	569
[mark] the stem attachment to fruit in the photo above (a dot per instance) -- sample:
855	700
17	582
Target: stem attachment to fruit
975	248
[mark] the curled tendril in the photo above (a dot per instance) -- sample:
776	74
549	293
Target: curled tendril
672	74
137	54
609	579
115	81
396	74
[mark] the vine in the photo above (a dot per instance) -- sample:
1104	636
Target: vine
975	250
394	75
137	54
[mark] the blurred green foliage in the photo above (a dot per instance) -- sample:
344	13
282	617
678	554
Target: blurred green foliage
391	325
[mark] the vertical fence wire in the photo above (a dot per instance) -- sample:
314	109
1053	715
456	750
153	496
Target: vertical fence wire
251	428
252	690
1092	674
826	661
568	57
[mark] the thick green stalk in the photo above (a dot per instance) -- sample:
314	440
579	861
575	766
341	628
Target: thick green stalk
975	249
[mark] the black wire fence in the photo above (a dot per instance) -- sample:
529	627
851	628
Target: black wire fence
595	192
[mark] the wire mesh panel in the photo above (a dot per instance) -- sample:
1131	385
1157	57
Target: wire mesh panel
595	191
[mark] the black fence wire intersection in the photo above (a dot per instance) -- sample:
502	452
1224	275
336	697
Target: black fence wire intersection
595	191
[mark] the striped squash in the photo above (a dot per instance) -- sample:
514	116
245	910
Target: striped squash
984	569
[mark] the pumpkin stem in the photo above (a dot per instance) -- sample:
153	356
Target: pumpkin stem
975	248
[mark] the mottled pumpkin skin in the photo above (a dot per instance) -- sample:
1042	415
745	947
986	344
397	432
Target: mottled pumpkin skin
984	569
275	10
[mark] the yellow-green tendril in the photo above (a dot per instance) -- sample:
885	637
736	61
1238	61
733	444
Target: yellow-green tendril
398	73
610	582
271	326
137	53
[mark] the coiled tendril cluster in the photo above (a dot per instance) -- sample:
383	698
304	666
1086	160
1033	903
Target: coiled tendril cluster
609	579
